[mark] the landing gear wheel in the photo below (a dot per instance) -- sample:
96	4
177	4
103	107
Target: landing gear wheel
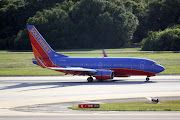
90	79
147	79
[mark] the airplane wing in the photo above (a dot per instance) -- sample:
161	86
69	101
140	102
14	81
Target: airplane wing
74	70
70	70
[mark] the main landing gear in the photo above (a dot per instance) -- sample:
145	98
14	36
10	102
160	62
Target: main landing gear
147	79
90	79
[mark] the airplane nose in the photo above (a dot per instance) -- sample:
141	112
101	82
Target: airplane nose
161	68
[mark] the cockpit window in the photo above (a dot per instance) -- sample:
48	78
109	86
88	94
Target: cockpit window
153	63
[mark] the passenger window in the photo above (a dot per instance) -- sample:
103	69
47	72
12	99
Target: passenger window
153	63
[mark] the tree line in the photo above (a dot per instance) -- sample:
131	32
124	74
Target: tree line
72	24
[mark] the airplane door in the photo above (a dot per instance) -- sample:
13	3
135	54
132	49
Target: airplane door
100	64
142	64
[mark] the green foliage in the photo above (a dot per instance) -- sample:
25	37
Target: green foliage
86	23
153	15
162	13
22	42
138	8
168	39
158	16
54	26
15	13
176	26
102	24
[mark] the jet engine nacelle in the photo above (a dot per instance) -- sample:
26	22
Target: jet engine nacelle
104	74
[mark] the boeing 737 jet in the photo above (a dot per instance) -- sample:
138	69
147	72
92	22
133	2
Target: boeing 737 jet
101	68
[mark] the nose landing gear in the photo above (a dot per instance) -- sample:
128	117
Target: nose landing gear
147	79
90	79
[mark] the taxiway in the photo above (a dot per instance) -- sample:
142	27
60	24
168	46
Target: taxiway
21	92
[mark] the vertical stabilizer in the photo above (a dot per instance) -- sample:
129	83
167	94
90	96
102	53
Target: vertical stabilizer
41	48
104	53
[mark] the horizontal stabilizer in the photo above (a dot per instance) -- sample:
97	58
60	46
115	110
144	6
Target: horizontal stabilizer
40	63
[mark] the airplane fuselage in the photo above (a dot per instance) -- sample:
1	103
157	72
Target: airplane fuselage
123	66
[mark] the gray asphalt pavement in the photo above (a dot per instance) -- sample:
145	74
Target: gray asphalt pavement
47	97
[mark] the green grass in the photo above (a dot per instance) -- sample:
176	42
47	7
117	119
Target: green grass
10	64
169	105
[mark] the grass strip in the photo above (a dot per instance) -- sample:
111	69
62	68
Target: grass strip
168	105
10	64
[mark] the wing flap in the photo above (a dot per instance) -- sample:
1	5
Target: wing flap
73	69
69	70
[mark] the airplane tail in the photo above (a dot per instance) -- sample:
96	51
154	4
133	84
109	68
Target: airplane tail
41	48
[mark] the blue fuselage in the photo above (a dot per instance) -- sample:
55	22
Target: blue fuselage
132	64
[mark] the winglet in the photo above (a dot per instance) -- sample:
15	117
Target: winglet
104	53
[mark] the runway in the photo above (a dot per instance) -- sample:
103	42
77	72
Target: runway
19	92
122	116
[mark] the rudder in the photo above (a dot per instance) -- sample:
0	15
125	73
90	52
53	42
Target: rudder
40	47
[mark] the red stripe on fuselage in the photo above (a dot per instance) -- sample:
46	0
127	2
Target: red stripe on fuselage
127	72
118	72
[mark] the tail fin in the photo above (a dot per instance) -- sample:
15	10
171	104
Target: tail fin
40	47
104	53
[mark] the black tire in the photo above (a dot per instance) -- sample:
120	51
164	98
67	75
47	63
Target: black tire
147	79
90	79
